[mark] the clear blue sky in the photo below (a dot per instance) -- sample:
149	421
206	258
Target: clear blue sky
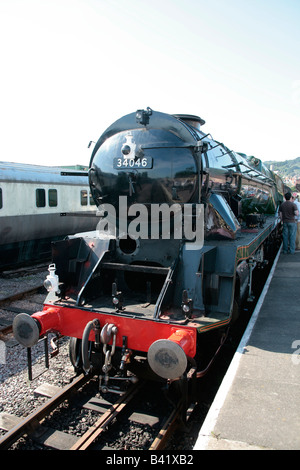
69	68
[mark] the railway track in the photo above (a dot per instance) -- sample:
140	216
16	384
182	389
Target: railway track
24	297
28	424
19	295
9	306
25	270
21	291
103	430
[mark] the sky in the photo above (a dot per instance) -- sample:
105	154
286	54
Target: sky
70	68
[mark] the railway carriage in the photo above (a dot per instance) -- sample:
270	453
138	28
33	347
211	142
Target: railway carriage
32	201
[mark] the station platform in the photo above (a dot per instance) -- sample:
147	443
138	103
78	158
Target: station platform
257	406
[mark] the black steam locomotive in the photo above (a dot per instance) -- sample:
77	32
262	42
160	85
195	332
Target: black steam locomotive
183	224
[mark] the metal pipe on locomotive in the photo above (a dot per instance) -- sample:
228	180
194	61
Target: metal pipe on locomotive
154	306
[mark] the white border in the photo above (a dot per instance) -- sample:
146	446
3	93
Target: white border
211	418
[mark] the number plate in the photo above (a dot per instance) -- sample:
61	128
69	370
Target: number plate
127	163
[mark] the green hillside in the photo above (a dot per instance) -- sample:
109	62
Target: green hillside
288	168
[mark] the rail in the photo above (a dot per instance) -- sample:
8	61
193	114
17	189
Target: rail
29	423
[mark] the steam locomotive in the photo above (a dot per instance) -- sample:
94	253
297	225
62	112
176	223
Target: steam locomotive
154	294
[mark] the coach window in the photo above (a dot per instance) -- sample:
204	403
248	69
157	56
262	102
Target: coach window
52	197
92	202
40	197
1	202
83	197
